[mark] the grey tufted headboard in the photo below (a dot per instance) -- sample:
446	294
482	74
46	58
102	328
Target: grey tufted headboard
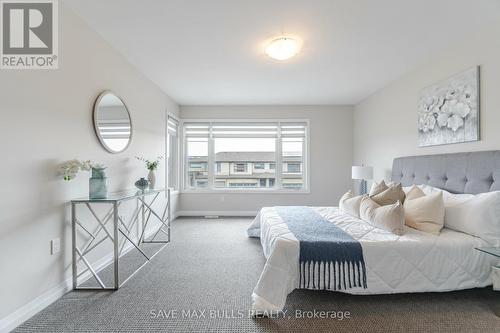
474	172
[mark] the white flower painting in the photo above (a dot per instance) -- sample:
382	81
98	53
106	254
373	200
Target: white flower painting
448	112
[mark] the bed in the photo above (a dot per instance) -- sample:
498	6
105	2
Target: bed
414	262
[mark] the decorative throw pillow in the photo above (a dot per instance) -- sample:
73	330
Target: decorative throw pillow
389	217
413	192
378	188
350	204
390	196
406	189
424	212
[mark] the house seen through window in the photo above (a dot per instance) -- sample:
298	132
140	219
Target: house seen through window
244	155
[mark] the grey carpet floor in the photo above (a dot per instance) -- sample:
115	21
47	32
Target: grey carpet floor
212	266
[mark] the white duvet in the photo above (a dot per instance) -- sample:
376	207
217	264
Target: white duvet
414	262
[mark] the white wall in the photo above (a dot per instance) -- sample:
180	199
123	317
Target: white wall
330	158
46	118
385	124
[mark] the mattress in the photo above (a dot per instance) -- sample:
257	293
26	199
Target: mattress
414	262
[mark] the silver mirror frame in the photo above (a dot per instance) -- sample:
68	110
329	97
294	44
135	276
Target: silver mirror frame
95	119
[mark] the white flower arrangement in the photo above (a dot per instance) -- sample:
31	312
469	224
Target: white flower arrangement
69	169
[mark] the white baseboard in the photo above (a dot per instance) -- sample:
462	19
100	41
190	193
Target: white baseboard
215	213
25	312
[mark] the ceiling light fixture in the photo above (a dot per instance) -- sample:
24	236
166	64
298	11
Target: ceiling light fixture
283	48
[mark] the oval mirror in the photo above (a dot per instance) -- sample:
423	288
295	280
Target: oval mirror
112	122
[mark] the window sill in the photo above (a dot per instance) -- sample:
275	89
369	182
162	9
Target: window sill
245	191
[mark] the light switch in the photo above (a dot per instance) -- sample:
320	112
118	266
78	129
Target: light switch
55	246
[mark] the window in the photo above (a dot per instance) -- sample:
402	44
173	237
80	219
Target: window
293	137
197	165
172	153
196	151
259	166
220	183
201	183
244	155
240	167
291	184
242	145
232	184
291	167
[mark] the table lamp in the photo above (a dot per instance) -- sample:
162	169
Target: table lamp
363	173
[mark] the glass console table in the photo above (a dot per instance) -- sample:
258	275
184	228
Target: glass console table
495	252
143	215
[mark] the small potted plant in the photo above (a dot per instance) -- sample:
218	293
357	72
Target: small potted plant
151	165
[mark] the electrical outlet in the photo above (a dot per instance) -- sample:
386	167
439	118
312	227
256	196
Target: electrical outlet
55	246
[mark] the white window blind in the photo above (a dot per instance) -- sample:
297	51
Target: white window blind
172	126
200	130
293	130
242	130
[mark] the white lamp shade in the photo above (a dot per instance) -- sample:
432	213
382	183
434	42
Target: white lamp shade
362	172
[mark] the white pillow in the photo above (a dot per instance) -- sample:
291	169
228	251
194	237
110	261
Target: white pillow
477	215
350	204
424	212
427	189
389	217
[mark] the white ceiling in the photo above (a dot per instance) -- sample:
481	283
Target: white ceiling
210	52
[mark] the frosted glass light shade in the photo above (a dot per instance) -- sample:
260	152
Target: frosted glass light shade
283	48
362	172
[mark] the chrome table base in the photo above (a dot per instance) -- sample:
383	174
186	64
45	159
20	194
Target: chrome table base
105	231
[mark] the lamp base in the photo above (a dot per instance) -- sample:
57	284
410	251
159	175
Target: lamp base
363	188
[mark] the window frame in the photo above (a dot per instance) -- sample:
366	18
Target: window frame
278	163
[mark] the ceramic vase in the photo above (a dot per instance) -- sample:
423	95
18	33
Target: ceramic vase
152	179
98	184
142	184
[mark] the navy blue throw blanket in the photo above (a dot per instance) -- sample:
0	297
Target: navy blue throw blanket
325	250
